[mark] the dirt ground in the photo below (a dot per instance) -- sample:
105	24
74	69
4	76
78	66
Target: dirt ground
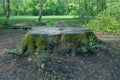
102	66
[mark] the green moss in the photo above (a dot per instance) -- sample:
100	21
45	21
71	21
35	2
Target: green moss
39	46
27	45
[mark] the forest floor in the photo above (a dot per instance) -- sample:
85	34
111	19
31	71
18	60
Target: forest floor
103	66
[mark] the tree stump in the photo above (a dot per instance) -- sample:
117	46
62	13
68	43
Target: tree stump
42	43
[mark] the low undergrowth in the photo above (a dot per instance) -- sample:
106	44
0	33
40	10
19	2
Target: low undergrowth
104	23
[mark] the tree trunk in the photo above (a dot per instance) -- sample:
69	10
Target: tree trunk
39	43
79	7
86	5
4	6
103	5
40	15
7	12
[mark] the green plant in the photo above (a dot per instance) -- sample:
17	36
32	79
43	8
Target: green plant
105	23
92	42
50	24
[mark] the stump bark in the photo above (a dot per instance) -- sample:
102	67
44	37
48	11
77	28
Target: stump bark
42	43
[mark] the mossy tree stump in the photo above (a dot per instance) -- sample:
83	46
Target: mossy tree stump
40	43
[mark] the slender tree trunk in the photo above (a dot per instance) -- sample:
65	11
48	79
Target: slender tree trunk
86	8
79	7
40	15
4	6
7	12
91	8
103	5
86	5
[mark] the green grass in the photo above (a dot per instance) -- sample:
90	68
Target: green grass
34	19
100	23
15	19
48	20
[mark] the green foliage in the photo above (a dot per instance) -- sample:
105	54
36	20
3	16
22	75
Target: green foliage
50	23
55	7
104	22
114	10
24	7
92	42
1	8
2	27
90	8
108	20
59	7
2	23
85	9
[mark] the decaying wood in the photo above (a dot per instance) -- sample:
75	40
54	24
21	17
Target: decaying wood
41	44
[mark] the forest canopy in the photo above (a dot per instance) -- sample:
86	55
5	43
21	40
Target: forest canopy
55	7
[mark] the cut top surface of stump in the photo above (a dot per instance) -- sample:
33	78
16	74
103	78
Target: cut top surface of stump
58	30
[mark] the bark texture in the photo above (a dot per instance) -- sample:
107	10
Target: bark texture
40	15
7	12
41	43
